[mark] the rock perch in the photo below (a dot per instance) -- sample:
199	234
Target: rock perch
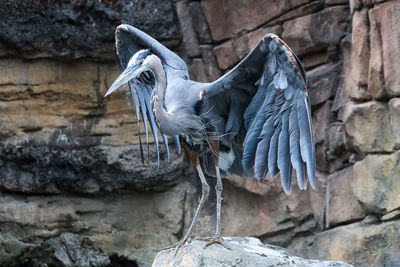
245	251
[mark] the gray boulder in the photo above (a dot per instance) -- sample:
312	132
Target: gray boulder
244	251
68	250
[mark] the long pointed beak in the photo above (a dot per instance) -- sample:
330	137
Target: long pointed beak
128	74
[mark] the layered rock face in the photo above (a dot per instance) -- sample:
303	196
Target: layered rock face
70	161
69	158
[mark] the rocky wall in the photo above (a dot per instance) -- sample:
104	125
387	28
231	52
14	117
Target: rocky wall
70	162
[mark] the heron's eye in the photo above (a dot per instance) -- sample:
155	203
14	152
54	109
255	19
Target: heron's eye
141	62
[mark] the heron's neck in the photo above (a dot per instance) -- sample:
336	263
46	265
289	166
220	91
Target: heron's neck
175	121
164	119
160	86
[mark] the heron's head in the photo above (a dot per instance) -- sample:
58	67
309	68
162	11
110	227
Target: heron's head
139	63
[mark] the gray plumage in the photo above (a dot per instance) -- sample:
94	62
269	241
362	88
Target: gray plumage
253	120
261	105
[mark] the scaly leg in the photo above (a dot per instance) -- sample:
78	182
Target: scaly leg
214	144
205	190
218	190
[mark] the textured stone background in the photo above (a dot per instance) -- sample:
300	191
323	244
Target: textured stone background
69	160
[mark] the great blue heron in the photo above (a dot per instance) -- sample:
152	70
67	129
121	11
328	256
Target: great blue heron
253	120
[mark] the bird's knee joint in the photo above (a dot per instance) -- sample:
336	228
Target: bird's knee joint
218	188
206	188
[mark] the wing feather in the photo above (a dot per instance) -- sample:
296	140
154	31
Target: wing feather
142	105
277	117
145	106
128	41
307	152
177	144
273	152
261	162
295	156
251	140
165	139
254	107
136	102
284	163
232	126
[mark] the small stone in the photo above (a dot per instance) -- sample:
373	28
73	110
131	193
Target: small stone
376	83
321	117
251	185
197	71
246	43
355	5
359	4
336	2
312	33
346	83
199	23
210	63
388	16
322	83
369	3
185	21
255	37
394	110
367	127
295	3
341	195
219	23
391	215
370	219
226	55
314	60
353	158
299	11
227	19
360	55
376	183
336	138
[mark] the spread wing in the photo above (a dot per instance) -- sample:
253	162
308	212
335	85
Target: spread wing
268	104
128	41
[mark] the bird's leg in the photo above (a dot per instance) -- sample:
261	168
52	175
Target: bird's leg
214	144
205	190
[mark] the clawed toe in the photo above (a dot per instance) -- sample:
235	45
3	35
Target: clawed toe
209	241
214	240
217	240
178	245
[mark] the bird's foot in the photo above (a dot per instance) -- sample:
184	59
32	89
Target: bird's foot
214	240
178	245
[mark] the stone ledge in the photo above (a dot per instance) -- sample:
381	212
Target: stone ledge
245	251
